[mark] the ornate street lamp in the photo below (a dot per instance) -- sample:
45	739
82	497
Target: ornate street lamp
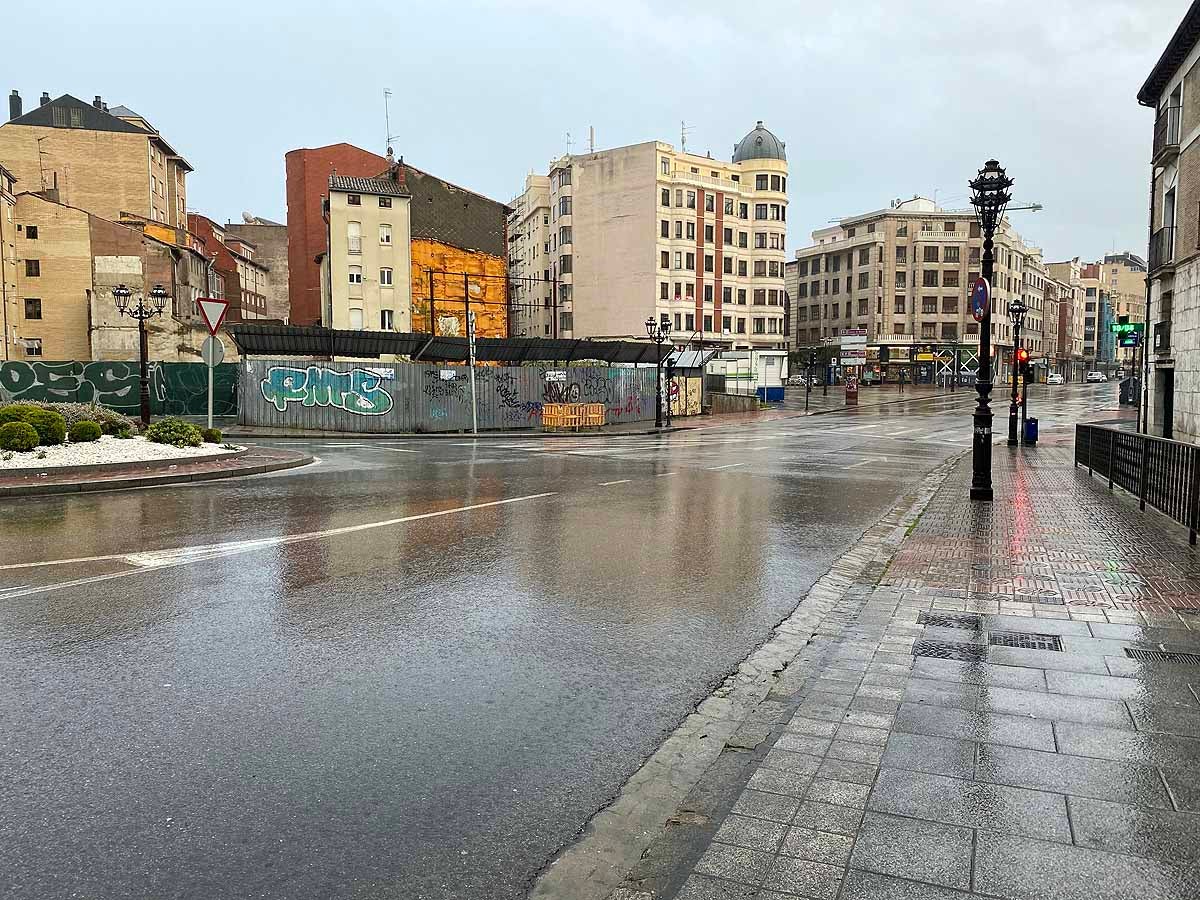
989	196
141	312
660	333
1016	311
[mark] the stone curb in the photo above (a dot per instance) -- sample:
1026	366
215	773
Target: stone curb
119	484
133	465
446	436
596	865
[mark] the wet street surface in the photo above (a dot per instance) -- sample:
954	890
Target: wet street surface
418	667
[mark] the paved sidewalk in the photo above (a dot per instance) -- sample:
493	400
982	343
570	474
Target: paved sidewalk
988	718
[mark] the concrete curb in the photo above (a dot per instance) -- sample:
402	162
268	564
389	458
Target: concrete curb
143	465
142	481
599	863
446	436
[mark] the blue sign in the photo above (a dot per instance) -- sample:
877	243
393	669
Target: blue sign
981	299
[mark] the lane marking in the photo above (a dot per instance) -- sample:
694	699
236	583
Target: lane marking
394	449
181	556
665	474
903	431
865	462
718	468
622	481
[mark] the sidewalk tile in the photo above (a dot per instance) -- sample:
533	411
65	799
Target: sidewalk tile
1059	707
1102	779
758	834
915	849
1009	866
1154	833
870	886
971	804
862	735
843	770
701	887
1169	720
828	817
1136	746
816	727
1116	688
805	878
915	718
934	755
987	674
797	763
1047	659
863	753
941	693
818	846
801	742
776	781
734	863
760	805
842	793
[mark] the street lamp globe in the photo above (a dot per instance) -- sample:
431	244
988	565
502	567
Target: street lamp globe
989	195
666	327
121	295
650	326
159	295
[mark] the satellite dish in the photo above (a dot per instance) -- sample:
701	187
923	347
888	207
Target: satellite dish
247	218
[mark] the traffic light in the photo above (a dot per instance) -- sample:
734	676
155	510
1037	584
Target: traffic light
812	358
1023	361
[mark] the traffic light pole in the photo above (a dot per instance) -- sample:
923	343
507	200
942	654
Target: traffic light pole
1012	406
1024	403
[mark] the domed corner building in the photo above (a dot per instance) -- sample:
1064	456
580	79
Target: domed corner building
760	143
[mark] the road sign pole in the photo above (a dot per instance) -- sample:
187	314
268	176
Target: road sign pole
210	392
471	364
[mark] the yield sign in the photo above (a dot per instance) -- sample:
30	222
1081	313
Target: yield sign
213	311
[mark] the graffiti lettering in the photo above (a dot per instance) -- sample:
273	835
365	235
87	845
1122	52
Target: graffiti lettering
631	407
560	393
112	384
356	391
438	389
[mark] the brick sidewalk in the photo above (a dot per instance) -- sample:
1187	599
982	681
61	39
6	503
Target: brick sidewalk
971	723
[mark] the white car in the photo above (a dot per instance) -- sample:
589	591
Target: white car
1095	376
1054	378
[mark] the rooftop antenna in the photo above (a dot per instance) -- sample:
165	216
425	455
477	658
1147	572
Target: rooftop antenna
684	131
42	162
569	142
591	139
387	120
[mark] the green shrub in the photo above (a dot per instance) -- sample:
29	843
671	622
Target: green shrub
175	432
123	434
211	435
85	432
50	426
15	412
110	421
19	436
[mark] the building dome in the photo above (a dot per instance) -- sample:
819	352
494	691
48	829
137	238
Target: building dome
759	144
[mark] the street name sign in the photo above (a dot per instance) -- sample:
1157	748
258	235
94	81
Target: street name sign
213	311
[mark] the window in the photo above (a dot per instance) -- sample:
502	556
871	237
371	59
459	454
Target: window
356	319
862	307
775	183
929	329
816	266
772	326
729	206
31	232
356	276
901	279
760	240
743	239
931	253
950	305
972	277
741	296
385	202
726	323
950	331
690	262
760	210
760	182
385	277
772	297
900	303
386	322
727	236
950	278
708	320
691	199
666	196
353	200
353	237
678	290
929	278
691	231
33	308
665	228
760	325
664	259
773	268
902	230
710	203
678	321
951	226
679	229
760	267
864	280
666	166
802	289
727	265
678	259
802	267
691	290
708	293
816	288
742	268
743	210
726	295
802	313
901	255
951	255
385	234
58	116
708	234
973	230
760	296
564	265
33	268
973	256
850	232
815	311
864	256
564	206
837	263
837	308
929	305
689	322
664	290
564	234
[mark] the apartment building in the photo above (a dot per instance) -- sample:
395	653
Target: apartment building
1066	281
367	270
532	295
269	242
245	279
1123	277
648	231
107	162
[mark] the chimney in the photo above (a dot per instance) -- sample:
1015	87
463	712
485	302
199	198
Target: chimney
98	103
14	106
45	99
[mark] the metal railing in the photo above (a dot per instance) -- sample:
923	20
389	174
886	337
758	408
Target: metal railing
1166	130
1162	247
1162	473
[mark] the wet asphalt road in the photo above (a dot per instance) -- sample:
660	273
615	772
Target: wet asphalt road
366	689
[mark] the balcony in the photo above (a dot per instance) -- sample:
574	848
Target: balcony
1166	135
1162	249
1162	338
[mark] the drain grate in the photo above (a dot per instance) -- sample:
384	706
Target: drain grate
951	620
1025	640
950	650
1171	656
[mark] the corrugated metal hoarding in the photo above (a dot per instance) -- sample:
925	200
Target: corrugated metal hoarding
403	397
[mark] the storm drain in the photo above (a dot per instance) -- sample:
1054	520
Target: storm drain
1171	656
951	620
1025	640
950	650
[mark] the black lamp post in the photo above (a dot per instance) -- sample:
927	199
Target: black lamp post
989	196
142	312
1016	311
659	332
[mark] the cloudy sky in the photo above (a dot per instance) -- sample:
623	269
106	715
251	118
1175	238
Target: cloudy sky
876	100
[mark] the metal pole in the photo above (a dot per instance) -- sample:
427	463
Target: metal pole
144	368
1012	406
431	320
1024	405
808	380
981	442
210	394
658	418
471	364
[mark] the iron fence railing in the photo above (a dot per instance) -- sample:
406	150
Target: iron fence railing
1162	247
1161	473
1166	129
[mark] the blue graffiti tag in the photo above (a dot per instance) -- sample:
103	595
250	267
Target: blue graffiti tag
356	391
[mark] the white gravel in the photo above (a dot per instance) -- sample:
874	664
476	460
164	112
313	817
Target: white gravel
105	450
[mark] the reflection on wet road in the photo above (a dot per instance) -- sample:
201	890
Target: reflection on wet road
414	669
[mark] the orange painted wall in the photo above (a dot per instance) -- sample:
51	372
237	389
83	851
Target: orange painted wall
488	304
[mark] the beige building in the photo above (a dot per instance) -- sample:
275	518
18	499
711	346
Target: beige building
1123	277
269	240
531	293
1066	281
107	162
367	278
9	309
648	231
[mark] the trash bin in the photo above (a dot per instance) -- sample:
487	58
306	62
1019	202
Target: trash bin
1031	431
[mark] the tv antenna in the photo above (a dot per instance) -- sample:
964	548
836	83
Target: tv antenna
569	142
387	120
684	131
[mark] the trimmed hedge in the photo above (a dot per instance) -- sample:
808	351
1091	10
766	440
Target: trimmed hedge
50	426
110	421
211	435
15	412
19	436
85	432
175	432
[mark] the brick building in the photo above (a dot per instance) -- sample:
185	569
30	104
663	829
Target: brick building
270	243
233	259
453	230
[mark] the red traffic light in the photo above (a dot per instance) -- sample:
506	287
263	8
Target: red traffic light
1023	355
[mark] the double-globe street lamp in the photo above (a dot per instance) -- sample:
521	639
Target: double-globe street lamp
1016	311
989	195
141	311
660	333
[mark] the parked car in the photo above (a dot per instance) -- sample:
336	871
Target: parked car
1095	376
1054	378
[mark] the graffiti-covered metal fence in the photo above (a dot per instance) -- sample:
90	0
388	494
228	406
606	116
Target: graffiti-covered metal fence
400	397
176	389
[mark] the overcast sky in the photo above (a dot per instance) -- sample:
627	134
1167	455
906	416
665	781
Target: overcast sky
876	100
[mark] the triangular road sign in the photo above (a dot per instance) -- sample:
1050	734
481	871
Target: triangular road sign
213	311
